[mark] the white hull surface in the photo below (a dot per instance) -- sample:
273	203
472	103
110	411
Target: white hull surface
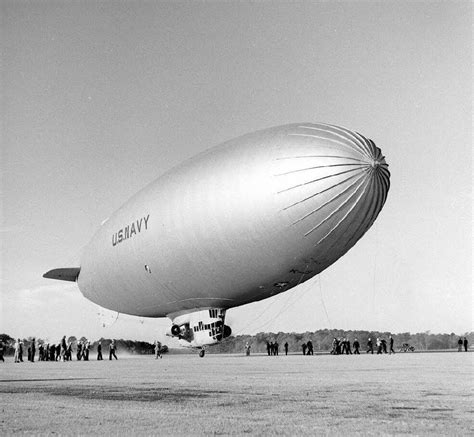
238	223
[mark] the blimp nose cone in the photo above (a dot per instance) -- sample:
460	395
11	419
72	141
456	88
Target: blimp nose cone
332	186
375	163
378	170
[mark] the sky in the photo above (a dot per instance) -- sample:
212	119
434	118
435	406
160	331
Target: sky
101	98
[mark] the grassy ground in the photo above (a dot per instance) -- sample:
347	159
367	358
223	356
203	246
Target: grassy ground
422	394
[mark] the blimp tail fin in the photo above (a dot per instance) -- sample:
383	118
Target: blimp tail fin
64	274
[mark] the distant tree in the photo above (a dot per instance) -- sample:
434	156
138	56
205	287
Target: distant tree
437	343
402	338
419	340
9	343
6	339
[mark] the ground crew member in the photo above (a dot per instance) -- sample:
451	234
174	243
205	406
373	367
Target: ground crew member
33	350
99	352
52	352
379	346
356	345
112	350
20	353
370	346
63	348
17	351
41	352
348	347
79	351
157	350
87	347
247	349
343	344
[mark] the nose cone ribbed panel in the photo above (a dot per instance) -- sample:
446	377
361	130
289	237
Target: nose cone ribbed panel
332	185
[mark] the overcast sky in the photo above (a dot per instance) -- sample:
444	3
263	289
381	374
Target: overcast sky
100	98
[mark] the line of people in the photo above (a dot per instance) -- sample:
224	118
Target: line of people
462	343
308	348
60	352
273	348
343	346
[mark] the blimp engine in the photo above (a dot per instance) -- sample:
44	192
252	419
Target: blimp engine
241	222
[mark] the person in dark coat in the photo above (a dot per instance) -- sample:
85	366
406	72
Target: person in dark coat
348	347
343	346
465	343
79	351
286	348
309	345
69	351
63	350
33	350
52	352
112	350
158	350
99	351
370	346
392	351
356	346
86	349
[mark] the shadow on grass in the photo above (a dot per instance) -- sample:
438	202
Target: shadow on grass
46	379
118	393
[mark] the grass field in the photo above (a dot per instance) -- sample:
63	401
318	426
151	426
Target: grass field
422	394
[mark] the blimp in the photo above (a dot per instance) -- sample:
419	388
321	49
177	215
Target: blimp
238	223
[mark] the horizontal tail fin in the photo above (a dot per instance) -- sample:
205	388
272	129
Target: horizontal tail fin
64	274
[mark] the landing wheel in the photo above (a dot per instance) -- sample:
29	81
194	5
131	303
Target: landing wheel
202	352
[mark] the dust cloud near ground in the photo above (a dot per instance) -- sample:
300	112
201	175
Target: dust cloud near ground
421	394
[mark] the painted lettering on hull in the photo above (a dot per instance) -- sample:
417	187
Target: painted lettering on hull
130	230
